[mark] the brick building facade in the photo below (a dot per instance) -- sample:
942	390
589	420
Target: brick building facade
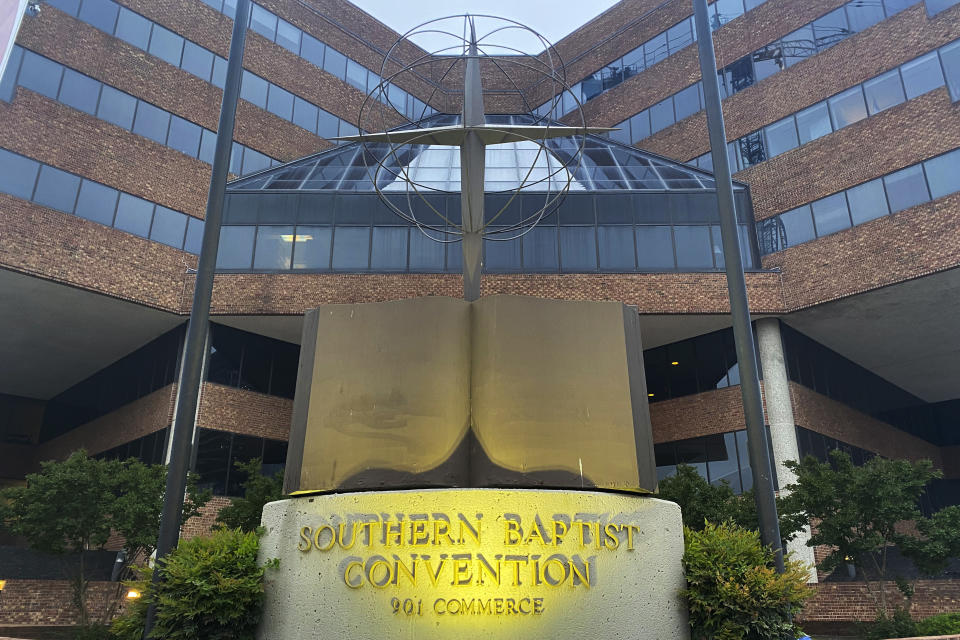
105	116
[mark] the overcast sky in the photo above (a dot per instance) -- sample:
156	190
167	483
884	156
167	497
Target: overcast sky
553	19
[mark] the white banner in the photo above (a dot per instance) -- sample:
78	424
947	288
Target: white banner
11	14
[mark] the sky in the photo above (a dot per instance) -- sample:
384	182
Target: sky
553	19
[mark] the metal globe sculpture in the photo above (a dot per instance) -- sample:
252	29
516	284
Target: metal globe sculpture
387	154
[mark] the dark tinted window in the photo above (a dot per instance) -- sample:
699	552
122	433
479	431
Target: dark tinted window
922	75
274	247
782	136
798	225
133	28
151	122
97	202
79	91
184	136
883	92
166	45
389	251
17	174
616	248
263	22
655	248
280	102
312	49
906	188
942	174
661	115
40	74
236	247
847	107
813	123
335	63
540	249
351	248
197	60
867	201
57	189
116	107
100	13
254	89
169	227
194	235
134	215
687	102
830	214
578	249
304	114
863	15
693	247
288	36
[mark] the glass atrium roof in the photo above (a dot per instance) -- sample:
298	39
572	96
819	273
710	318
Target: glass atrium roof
603	165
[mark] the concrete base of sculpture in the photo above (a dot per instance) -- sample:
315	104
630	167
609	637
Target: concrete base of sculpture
473	563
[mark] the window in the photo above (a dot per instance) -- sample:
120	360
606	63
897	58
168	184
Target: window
752	150
288	37
194	237
539	249
661	115
950	55
184	136
102	14
134	215
236	247
863	15
57	189
782	136
335	63
680	35
274	246
425	254
768	61
831	29
883	92
151	122
312	49
97	202
133	28
219	77
280	102
922	75
655	49
578	249
351	248
169	227
830	214
254	89
738	76
254	161
389	252
942	174
166	45
40	74
263	22
655	248
906	188
116	107
356	75
797	226
693	247
687	102
208	143
799	45
304	114
617	252
847	107
640	125
79	91
197	60
867	201
728	10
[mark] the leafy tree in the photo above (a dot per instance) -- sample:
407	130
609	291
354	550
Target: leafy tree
733	591
73	506
857	510
701	502
245	513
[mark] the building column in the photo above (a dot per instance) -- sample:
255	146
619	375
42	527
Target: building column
783	429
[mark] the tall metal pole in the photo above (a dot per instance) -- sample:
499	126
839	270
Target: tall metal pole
188	387
737	288
472	161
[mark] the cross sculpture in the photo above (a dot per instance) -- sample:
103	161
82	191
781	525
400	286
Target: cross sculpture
472	136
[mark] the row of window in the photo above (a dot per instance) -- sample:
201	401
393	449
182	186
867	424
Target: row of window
137	374
808	40
719	458
149	449
81	92
909	80
110	17
696	365
300	43
217	452
252	362
657	48
894	192
567	249
67	192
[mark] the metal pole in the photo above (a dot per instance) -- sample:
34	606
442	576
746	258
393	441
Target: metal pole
737	288
188	387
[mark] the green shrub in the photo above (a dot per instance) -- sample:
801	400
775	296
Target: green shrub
733	592
245	513
945	624
211	588
898	625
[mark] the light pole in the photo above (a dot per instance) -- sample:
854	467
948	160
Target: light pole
188	386
737	289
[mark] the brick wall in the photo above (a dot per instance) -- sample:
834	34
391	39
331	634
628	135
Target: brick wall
851	602
248	412
201	524
49	602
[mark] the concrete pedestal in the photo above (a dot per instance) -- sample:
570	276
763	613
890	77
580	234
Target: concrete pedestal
473	563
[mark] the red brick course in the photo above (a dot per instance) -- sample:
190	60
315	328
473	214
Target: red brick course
50	602
851	602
